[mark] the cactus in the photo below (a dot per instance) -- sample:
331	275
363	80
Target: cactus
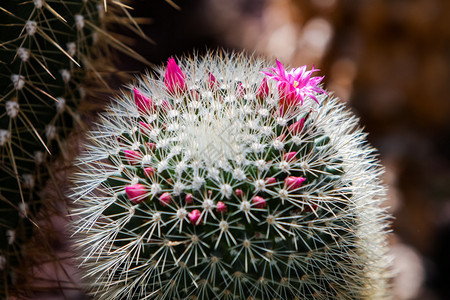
48	49
222	178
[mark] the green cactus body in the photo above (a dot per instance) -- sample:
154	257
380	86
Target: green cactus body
205	188
47	51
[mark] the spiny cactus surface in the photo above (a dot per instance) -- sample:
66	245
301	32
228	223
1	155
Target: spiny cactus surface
48	49
224	178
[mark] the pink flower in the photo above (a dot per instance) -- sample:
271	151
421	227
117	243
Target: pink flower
281	137
145	127
149	172
136	193
259	202
189	198
297	127
165	105
263	90
221	207
240	91
212	83
151	146
270	180
293	183
143	103
195	216
239	193
165	199
295	86
289	156
132	157
174	78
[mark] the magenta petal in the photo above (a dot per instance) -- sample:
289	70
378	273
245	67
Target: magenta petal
281	69
136	193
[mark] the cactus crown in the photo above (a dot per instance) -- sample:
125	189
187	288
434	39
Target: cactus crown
209	181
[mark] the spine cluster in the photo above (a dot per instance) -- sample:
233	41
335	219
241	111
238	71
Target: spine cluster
222	178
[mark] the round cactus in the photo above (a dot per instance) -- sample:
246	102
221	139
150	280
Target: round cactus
225	178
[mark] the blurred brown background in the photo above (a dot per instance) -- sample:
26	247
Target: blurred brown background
388	59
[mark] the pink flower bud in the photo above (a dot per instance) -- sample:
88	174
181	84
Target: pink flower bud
289	156
149	172
165	105
165	199
189	199
293	182
174	78
280	112
263	90
195	217
212	83
221	207
132	157
297	127
239	193
136	193
311	207
259	202
281	137
240	91
145	127
151	146
270	180
143	103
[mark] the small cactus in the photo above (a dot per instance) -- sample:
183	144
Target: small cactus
223	178
51	54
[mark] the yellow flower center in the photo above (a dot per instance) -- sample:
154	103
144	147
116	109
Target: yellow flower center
295	84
